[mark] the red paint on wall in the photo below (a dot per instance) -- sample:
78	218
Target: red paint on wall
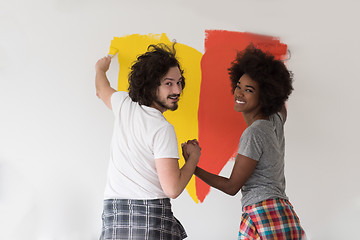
220	127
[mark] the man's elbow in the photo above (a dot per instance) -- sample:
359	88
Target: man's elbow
172	193
100	93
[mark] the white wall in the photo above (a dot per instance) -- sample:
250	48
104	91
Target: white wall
55	134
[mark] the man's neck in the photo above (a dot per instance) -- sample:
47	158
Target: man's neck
158	107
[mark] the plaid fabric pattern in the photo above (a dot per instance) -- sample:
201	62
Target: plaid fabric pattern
270	219
140	220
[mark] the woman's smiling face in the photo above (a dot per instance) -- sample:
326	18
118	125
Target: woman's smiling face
246	96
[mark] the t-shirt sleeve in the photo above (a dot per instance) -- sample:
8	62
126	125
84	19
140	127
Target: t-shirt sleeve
116	100
251	144
280	116
165	143
278	123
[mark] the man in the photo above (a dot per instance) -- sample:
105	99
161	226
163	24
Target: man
143	169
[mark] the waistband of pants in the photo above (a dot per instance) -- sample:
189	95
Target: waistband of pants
269	202
160	201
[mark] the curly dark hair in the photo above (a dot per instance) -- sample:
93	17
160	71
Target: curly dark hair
148	69
272	76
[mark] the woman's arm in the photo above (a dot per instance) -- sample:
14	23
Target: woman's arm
242	170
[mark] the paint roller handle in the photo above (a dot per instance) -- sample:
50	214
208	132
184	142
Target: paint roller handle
113	51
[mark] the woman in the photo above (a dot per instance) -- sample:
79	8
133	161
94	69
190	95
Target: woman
260	85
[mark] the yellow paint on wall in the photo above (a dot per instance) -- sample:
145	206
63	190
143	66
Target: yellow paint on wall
185	118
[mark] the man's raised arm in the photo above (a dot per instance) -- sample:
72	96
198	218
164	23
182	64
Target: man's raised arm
103	89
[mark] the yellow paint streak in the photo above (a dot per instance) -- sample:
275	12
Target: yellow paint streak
185	118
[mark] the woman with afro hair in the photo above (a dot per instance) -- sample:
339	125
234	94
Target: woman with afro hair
260	85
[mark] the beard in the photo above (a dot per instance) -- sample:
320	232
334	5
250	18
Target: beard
172	106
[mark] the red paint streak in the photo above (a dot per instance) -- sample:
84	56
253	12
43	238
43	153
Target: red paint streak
220	127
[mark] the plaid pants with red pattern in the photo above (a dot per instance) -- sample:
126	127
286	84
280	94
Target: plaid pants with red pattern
270	219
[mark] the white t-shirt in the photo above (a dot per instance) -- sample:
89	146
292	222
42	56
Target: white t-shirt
141	134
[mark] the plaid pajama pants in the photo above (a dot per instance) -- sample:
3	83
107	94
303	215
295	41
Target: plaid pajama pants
270	219
140	220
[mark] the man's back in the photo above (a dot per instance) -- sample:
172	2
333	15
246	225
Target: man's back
141	135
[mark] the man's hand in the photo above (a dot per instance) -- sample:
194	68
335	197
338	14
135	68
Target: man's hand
103	64
184	151
191	149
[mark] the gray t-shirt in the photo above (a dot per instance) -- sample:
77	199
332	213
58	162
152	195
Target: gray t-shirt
264	142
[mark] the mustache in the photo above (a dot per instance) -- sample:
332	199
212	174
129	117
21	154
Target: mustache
174	95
